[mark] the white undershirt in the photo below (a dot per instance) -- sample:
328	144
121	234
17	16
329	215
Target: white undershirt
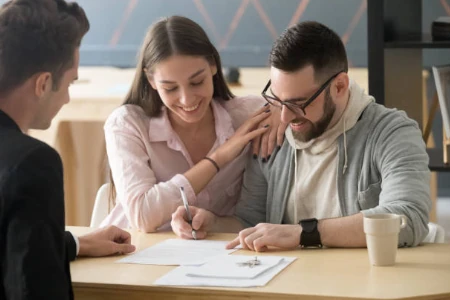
314	193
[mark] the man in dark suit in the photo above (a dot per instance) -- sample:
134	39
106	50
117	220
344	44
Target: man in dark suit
39	55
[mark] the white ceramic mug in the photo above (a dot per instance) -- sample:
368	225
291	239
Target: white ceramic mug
382	237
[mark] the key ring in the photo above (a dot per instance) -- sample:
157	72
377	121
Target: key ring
251	263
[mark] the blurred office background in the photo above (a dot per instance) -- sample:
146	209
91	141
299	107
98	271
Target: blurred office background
244	30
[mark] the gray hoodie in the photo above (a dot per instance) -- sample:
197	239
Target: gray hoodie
386	172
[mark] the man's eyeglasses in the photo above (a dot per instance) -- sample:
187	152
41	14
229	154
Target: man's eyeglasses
289	103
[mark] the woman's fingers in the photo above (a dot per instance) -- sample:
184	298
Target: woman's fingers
280	133
269	141
264	144
272	141
255	133
253	122
261	110
256	145
251	129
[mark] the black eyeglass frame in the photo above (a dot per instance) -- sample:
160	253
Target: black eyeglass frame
292	106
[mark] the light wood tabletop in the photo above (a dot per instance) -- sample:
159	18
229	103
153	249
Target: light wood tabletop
420	273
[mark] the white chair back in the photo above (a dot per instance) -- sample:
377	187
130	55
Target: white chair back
101	205
436	234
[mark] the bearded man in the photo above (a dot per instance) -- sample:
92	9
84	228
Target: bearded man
344	157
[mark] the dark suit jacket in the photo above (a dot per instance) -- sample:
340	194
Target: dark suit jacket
34	248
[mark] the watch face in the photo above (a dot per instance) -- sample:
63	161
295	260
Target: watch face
310	236
309	225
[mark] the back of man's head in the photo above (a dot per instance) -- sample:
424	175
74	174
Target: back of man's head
309	43
38	36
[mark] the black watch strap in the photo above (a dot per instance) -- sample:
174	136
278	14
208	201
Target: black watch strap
310	236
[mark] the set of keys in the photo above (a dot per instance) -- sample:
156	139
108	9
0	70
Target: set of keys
251	263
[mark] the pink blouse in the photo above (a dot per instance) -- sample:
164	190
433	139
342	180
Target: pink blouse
148	160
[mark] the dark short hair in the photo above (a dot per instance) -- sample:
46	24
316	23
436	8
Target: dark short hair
38	36
175	35
309	43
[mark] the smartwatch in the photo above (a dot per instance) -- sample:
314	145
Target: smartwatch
310	236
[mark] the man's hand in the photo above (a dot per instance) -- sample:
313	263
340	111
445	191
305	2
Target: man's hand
265	235
202	222
106	241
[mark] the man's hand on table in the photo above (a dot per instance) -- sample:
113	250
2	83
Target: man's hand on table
265	235
106	241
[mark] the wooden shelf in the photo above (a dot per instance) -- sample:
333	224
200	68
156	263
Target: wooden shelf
436	163
423	42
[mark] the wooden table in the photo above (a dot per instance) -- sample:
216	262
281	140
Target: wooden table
420	273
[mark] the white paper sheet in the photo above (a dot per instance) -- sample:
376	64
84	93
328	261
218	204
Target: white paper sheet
229	266
178	277
174	252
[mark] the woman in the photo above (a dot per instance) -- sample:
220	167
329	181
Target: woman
180	126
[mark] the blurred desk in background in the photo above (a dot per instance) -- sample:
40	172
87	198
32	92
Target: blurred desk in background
77	134
77	130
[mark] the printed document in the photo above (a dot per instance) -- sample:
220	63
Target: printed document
183	275
174	252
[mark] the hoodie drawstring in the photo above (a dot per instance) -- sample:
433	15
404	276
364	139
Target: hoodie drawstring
345	151
295	186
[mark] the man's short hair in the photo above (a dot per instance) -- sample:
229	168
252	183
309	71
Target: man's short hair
38	36
309	43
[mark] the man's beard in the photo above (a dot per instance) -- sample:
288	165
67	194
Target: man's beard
319	127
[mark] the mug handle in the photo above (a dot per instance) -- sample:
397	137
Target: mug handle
403	221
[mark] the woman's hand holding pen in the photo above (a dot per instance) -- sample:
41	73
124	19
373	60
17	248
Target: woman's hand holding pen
249	130
202	221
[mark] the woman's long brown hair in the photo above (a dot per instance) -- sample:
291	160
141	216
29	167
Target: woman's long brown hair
174	35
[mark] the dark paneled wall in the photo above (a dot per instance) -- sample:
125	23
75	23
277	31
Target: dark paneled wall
242	30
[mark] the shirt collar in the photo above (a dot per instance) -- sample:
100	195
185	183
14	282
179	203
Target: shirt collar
223	122
7	122
161	129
